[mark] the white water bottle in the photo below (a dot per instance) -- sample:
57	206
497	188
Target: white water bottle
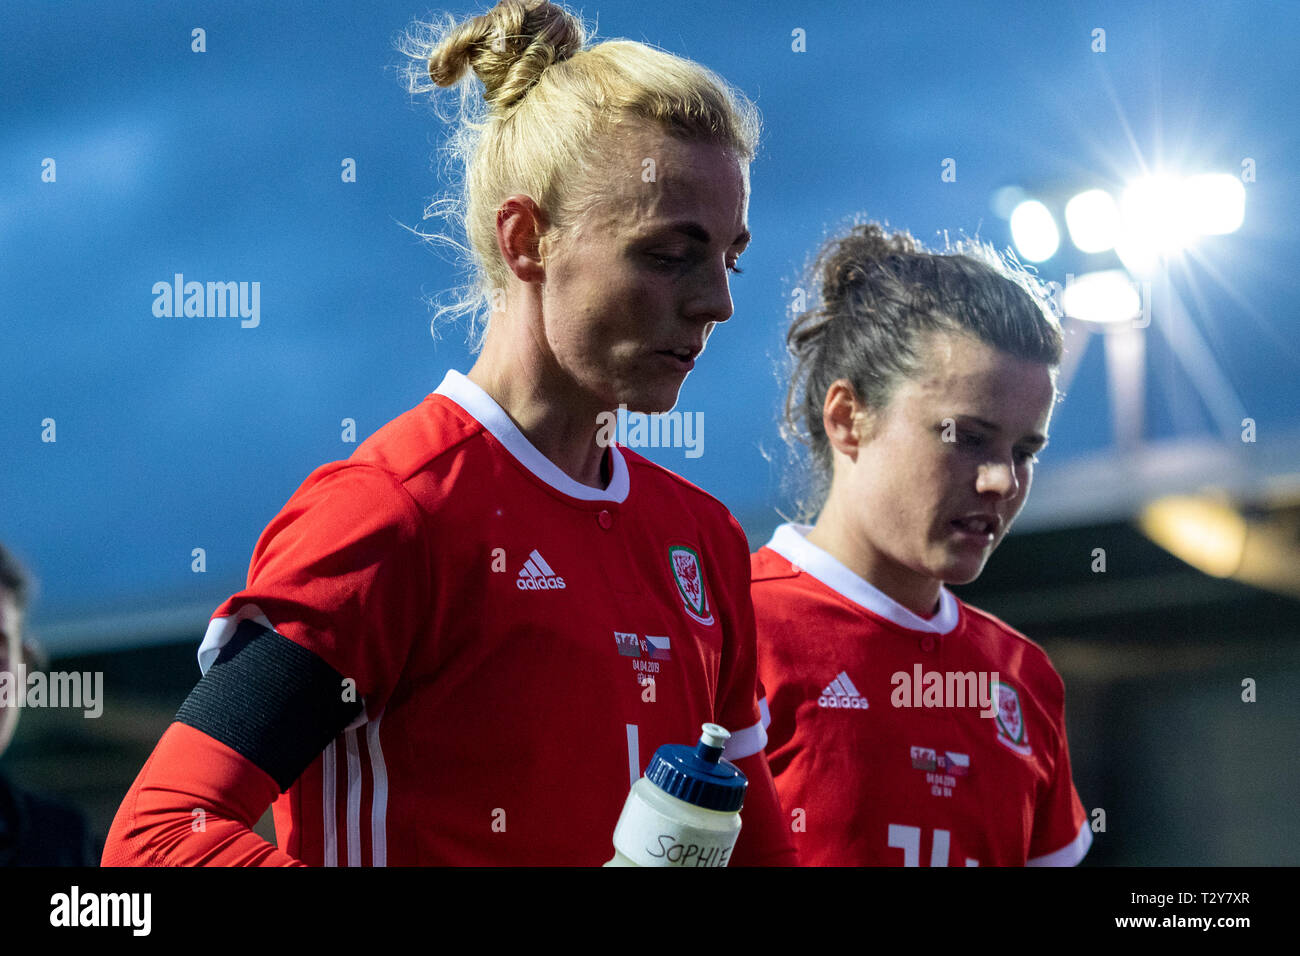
685	811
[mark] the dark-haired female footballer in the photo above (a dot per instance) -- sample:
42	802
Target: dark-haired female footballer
907	727
460	645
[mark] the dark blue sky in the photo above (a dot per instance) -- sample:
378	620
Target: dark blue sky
183	433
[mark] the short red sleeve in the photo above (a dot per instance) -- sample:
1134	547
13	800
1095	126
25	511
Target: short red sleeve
764	837
1061	834
738	681
343	571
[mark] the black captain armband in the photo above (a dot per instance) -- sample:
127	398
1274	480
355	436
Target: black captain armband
270	700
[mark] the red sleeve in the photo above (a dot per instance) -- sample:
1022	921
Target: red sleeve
1061	834
195	803
764	838
342	571
337	572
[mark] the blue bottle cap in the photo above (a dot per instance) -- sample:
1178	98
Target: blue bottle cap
699	775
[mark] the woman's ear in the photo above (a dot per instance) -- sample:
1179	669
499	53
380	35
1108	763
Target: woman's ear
845	419
520	224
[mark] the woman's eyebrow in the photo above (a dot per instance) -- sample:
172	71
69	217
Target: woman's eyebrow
1033	438
695	231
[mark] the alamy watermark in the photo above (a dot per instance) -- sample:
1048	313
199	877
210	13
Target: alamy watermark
76	908
945	689
213	300
79	690
656	430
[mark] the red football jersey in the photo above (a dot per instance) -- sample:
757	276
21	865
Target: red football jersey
522	643
897	740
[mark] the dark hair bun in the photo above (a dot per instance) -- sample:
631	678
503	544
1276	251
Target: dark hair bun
849	260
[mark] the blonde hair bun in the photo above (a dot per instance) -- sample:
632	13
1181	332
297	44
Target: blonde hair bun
508	48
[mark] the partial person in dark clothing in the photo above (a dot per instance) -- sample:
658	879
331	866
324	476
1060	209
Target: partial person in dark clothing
34	830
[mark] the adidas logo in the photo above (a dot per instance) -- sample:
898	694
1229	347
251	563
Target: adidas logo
536	575
842	694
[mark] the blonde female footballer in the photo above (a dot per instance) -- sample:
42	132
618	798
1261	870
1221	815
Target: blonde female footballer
907	727
460	645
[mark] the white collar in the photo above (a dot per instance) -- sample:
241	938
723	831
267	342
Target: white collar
790	541
480	406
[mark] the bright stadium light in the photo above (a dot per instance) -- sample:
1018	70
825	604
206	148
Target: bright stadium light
1034	231
1102	297
1217	203
1208	534
1093	220
1162	215
1155	223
